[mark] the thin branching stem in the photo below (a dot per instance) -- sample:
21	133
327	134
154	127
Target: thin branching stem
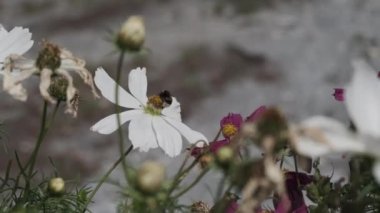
200	176
43	130
105	176
117	111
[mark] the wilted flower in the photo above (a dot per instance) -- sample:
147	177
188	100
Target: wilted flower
150	177
261	184
132	34
227	204
52	66
153	122
199	207
56	186
17	41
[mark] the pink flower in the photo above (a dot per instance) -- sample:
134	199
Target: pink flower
338	94
230	124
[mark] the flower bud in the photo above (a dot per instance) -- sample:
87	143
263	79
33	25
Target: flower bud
225	155
56	186
206	160
150	177
132	34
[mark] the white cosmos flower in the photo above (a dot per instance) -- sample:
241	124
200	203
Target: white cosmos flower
321	136
150	126
17	41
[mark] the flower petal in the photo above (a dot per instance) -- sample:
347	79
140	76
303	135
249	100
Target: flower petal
321	136
190	135
173	111
168	137
17	41
137	84
141	133
107	85
363	99
45	84
109	124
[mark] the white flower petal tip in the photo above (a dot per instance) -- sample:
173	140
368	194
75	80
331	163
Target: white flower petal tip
138	84
107	86
190	135
320	136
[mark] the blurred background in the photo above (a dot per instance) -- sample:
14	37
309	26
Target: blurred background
215	56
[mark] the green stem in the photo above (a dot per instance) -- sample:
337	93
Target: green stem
106	175
33	157
117	111
43	130
200	176
180	176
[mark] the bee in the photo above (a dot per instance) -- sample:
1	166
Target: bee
166	97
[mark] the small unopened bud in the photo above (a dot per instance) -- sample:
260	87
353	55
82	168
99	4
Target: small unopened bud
56	186
225	155
132	34
206	160
199	207
150	177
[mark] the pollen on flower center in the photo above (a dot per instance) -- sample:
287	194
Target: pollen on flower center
229	130
156	101
49	57
154	105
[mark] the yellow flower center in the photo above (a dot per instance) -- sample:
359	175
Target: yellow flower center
156	101
229	130
154	106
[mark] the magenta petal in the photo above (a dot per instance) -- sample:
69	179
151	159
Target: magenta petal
283	206
232	118
232	207
338	94
256	114
301	209
294	191
196	151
